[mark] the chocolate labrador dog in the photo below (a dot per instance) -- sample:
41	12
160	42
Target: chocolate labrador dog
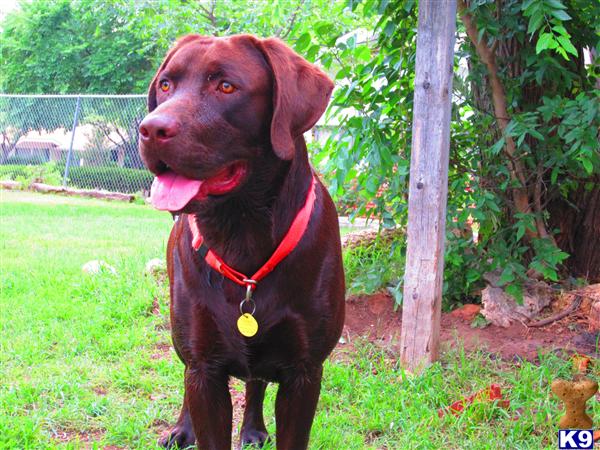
224	138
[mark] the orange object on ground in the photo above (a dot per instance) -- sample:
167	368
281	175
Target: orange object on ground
489	394
581	363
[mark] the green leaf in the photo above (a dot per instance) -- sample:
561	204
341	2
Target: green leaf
543	42
493	206
560	15
498	146
507	276
520	230
479	322
526	5
303	42
550	273
561	30
554	174
587	164
408	5
343	73
515	291
312	52
473	275
566	44
556	4
536	134
480	34
534	22
363	53
561	52
539	75
324	28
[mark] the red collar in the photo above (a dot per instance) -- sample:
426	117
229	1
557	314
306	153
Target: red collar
289	243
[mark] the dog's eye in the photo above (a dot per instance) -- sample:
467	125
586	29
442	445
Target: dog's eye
165	86
226	88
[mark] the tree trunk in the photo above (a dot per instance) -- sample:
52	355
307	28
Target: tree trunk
578	222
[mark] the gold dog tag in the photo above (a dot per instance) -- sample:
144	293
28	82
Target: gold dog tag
247	325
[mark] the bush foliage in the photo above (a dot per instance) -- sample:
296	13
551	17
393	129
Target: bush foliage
114	179
547	150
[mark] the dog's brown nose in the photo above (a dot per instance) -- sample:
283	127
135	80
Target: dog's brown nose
158	128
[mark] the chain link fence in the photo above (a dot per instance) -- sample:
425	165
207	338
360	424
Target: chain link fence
82	141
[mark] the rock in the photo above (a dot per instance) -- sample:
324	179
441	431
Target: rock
156	266
466	312
594	317
10	184
96	267
500	308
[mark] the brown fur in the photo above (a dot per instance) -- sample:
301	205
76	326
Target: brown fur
300	305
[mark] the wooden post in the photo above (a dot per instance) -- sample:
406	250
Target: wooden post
428	187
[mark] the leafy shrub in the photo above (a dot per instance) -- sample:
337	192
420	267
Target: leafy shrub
507	191
116	179
12	171
47	173
376	265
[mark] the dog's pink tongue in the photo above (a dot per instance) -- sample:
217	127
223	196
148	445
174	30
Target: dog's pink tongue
171	192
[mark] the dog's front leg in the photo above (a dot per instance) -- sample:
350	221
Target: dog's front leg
295	407
209	403
254	431
182	434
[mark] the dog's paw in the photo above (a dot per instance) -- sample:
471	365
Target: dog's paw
178	437
253	437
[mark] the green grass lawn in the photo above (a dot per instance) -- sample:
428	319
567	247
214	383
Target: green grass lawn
85	362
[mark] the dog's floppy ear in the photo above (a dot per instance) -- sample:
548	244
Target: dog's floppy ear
301	92
178	44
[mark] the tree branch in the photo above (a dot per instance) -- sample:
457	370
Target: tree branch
572	308
516	167
291	25
209	14
106	130
537	204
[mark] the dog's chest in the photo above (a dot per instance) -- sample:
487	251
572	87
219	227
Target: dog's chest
207	317
277	347
281	342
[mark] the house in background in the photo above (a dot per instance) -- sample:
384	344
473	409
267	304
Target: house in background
91	147
36	150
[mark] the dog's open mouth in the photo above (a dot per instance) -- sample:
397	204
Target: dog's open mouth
172	192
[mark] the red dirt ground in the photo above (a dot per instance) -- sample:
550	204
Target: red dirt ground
374	317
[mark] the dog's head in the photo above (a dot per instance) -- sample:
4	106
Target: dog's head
216	105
